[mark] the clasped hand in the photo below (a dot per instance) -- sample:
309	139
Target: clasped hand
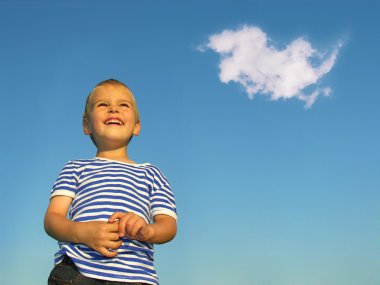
132	226
105	238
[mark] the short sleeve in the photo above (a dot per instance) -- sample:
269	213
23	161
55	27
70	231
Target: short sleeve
66	183
162	199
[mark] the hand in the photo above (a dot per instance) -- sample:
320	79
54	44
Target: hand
101	236
132	226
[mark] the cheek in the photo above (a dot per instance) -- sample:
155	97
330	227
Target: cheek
95	123
96	118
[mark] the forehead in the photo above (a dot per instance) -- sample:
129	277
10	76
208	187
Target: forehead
108	91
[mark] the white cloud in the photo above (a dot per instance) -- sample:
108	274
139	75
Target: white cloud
248	59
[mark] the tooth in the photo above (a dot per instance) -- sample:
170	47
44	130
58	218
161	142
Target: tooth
112	121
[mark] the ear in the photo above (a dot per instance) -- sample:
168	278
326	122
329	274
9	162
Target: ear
136	130
86	126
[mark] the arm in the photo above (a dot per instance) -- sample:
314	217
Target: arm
133	226
100	236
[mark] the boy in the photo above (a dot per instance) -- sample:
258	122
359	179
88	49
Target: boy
118	208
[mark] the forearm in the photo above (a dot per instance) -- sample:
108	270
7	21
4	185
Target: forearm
57	225
62	229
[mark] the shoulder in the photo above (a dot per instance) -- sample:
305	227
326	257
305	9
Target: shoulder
157	175
151	168
77	165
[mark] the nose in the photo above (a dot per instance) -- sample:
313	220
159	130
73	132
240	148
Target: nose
113	109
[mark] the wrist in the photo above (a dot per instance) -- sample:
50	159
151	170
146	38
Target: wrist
152	233
78	233
147	234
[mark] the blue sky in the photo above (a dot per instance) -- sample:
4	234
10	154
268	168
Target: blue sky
268	192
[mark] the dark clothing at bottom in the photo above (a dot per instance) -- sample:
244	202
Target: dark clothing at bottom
66	273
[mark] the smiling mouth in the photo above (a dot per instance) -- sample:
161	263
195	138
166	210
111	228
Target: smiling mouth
116	122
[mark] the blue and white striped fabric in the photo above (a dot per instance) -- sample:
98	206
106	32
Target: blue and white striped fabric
99	187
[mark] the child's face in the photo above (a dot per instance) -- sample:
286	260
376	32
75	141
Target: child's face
112	120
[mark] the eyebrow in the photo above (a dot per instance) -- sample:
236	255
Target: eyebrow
127	100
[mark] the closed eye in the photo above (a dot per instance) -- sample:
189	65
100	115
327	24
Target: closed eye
102	104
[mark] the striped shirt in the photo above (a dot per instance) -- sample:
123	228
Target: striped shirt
99	187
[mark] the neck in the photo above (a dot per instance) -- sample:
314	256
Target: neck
119	154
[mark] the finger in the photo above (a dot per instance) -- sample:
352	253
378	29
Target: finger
130	224
113	244
119	243
113	236
136	227
105	252
123	224
112	228
114	216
